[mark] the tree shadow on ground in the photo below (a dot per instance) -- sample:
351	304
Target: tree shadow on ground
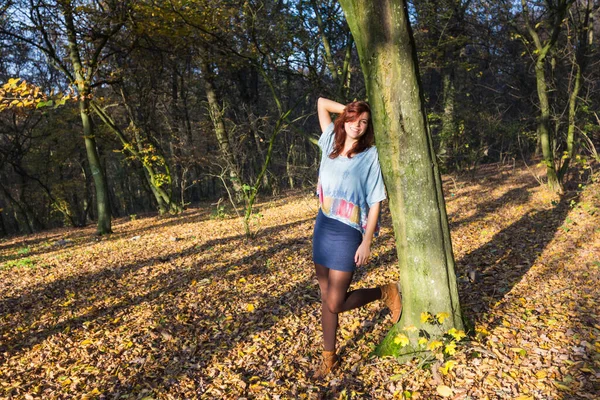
216	337
505	259
109	281
514	196
165	289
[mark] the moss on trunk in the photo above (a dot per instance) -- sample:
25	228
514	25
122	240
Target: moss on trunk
388	58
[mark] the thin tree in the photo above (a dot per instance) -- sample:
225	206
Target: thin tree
57	28
543	48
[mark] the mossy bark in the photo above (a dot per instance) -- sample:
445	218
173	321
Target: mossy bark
388	58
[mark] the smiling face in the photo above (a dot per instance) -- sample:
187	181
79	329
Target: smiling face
356	128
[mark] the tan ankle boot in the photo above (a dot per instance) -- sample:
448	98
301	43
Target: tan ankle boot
392	299
329	362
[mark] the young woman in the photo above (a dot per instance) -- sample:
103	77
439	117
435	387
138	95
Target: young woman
350	192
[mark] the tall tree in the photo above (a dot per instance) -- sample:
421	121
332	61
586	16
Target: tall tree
73	36
581	24
555	11
388	58
339	73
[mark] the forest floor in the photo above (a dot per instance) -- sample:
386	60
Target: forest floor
187	307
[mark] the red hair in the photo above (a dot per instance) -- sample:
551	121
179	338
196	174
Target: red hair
350	114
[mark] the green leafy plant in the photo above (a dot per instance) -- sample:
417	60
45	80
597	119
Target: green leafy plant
26	262
23	250
219	211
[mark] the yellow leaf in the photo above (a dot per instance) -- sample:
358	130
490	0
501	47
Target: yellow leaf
422	341
444	391
519	351
87	342
66	382
562	386
250	307
441	317
482	331
448	367
425	316
434	345
242	280
456	334
524	397
451	348
541	374
401	339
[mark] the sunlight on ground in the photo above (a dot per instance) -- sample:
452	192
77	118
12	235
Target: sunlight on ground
187	307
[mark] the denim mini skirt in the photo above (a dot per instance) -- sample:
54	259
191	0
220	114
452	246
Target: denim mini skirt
335	244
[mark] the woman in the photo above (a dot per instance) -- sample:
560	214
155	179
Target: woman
350	193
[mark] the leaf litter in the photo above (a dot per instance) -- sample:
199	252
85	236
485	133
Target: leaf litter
187	307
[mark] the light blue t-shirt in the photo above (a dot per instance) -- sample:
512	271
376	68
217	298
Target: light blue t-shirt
349	186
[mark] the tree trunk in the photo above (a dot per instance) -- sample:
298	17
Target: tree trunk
557	12
340	76
83	86
543	129
388	58
582	42
449	127
102	202
217	118
156	180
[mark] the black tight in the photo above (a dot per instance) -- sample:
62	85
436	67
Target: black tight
335	299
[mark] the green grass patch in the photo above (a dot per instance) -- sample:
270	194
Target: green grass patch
26	262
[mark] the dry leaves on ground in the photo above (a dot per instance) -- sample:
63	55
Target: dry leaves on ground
186	307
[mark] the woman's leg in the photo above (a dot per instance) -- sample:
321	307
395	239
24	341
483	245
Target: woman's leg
329	320
336	299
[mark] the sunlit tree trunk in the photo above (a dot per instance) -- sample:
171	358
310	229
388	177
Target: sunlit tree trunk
340	76
389	62
83	86
155	179
556	11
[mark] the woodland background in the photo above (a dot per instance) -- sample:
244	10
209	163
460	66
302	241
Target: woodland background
194	101
191	125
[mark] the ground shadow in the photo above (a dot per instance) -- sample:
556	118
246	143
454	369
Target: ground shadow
502	262
29	305
516	196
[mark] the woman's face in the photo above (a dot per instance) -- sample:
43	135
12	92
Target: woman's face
355	129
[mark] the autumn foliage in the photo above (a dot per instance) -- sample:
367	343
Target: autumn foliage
187	307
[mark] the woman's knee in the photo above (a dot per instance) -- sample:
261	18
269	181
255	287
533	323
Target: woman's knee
334	307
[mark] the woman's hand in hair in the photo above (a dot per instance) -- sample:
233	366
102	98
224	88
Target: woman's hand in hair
324	109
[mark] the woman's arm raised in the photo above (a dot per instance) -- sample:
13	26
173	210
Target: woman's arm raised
324	109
